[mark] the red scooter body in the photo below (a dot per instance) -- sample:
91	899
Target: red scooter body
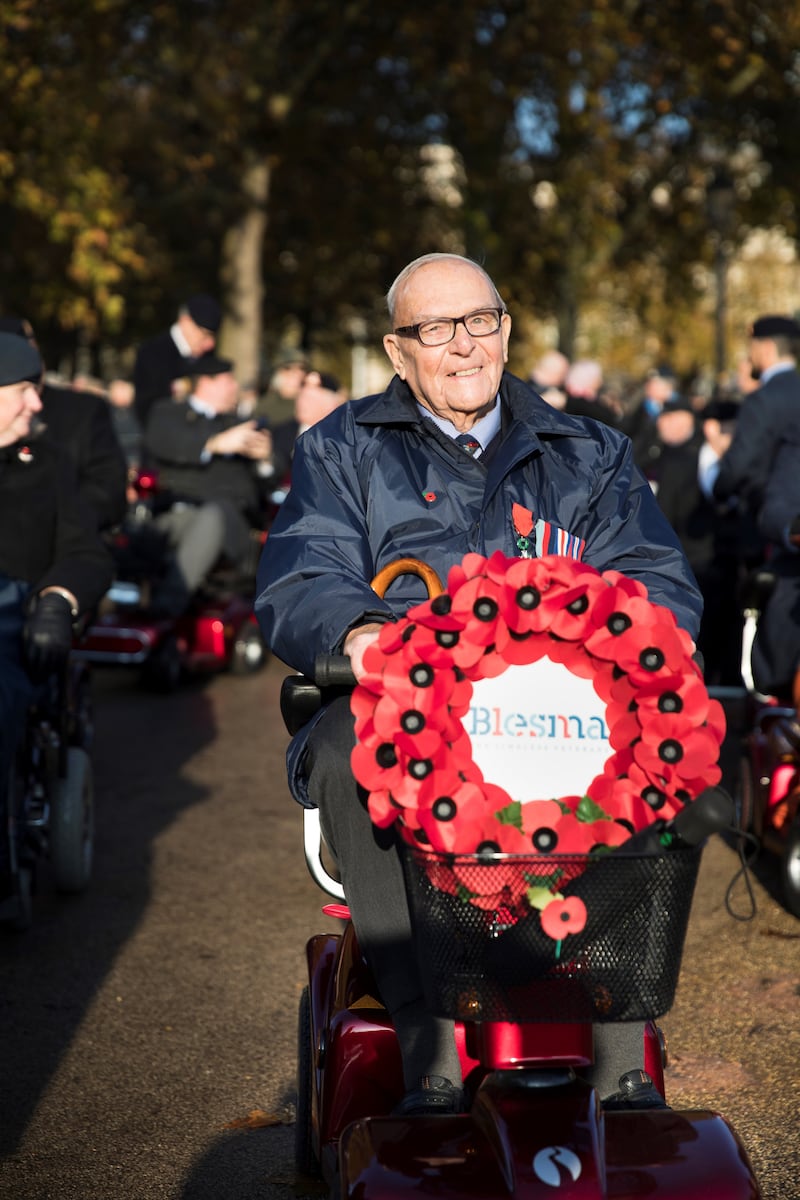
534	1128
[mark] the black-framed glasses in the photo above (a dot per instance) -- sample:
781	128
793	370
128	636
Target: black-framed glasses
441	330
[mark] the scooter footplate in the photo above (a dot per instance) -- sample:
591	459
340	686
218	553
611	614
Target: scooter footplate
659	1154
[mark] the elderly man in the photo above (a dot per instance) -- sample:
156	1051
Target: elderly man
53	567
435	467
214	472
170	355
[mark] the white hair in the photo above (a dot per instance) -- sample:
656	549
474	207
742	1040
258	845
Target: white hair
408	271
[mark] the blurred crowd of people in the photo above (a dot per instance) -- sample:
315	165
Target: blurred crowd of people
222	451
681	430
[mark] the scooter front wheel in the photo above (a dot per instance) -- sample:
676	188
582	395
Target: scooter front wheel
305	1159
790	869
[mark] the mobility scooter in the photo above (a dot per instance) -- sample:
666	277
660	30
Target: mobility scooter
218	631
769	791
524	990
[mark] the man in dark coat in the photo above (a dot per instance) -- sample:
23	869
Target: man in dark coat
384	478
214	472
79	422
758	474
170	355
53	567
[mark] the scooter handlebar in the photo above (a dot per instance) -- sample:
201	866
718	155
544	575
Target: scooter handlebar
333	670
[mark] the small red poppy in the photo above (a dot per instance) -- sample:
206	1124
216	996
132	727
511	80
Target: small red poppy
561	917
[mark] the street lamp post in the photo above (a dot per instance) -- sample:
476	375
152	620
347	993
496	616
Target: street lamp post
721	199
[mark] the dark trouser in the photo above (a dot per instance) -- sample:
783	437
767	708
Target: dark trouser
199	535
369	862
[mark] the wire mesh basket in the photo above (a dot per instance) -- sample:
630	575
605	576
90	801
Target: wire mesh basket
485	956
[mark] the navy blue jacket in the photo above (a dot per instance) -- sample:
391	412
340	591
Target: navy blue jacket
763	456
376	481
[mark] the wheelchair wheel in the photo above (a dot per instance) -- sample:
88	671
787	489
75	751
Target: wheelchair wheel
305	1160
72	824
249	651
790	870
163	669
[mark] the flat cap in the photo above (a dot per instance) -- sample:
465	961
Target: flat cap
677	404
204	311
19	360
289	356
775	326
210	364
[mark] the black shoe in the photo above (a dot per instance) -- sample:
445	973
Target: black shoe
636	1091
435	1094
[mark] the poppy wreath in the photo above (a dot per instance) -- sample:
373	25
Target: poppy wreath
414	757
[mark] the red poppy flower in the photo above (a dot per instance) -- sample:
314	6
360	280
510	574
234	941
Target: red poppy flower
572	619
564	916
673	757
526	583
477	605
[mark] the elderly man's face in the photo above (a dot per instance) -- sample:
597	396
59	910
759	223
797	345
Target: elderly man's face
461	379
19	402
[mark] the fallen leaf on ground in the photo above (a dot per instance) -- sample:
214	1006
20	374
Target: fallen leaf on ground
257	1119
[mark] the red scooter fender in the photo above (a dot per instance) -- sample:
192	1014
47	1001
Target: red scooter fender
531	1138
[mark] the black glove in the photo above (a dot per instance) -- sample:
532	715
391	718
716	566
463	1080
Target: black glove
47	635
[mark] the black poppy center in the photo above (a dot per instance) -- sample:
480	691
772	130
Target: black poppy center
529	598
652	659
618	622
412	721
420	768
421	675
446	638
670	702
579	605
654	797
670	751
444	809
386	755
440	605
545	840
485	609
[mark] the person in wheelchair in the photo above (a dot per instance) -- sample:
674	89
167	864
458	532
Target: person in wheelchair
53	565
215	472
457	455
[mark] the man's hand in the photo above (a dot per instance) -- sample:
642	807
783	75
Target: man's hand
245	440
356	644
47	635
718	438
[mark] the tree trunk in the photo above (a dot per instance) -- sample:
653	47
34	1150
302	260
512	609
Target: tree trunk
242	280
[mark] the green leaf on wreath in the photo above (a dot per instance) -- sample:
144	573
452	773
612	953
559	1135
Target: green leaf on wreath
511	815
588	811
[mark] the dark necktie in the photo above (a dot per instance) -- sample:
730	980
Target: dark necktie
469	443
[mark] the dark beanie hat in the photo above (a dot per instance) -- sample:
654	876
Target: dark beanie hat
204	311
210	364
775	326
19	360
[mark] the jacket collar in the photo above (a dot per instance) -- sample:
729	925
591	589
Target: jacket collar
397	406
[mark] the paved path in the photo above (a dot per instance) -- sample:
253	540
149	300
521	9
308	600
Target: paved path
142	1024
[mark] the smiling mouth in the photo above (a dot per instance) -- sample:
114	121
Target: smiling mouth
466	374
